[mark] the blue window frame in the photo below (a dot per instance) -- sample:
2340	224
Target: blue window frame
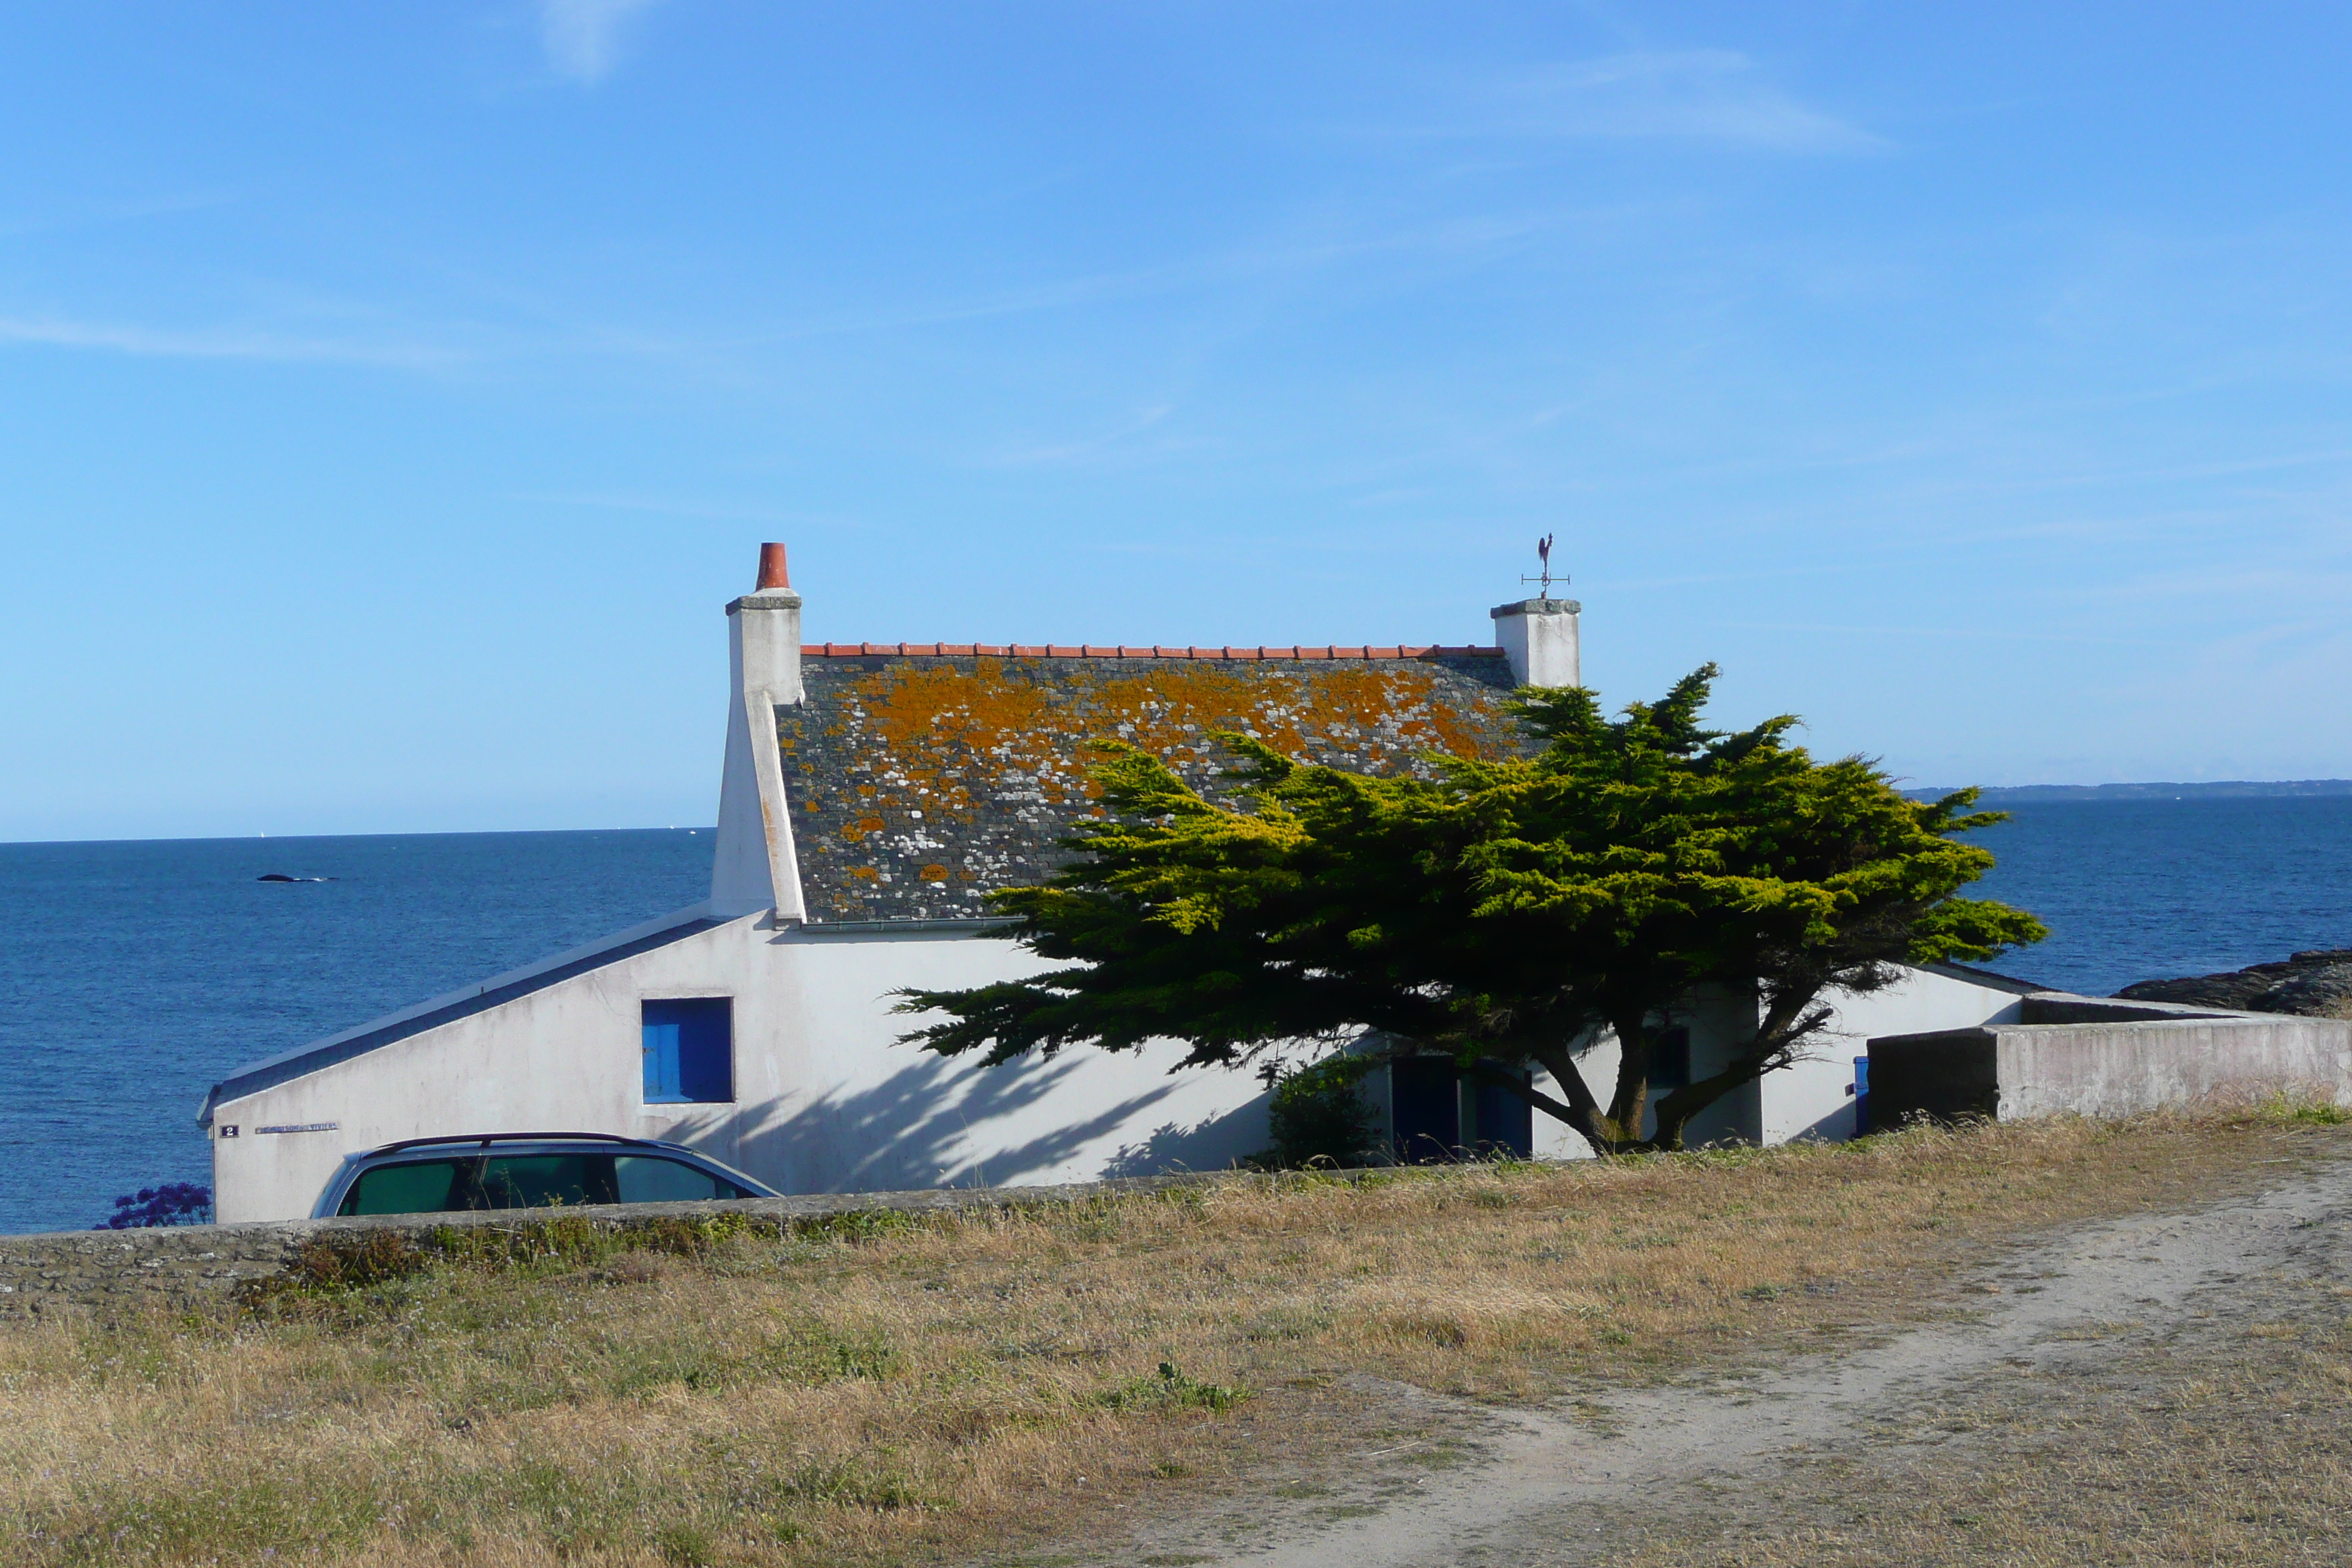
689	1050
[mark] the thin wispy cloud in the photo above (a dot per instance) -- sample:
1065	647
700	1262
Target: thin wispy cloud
1696	95
672	506
118	213
583	38
1462	238
1089	449
225	343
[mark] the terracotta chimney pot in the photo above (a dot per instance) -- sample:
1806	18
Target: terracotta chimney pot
771	568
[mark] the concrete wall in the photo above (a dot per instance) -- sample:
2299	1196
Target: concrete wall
2116	1070
2106	1061
826	1101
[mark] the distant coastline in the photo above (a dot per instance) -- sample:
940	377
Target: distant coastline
2226	789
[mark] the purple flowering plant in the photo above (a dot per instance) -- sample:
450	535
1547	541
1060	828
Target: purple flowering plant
174	1203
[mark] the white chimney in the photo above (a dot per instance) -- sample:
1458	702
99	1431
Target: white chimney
754	867
1538	636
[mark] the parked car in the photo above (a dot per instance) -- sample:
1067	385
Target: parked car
525	1171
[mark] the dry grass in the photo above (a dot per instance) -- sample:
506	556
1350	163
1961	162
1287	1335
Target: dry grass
2230	1444
985	1377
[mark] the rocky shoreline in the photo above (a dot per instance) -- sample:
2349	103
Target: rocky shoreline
2315	983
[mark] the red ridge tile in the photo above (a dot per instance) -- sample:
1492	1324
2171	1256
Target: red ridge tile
1090	650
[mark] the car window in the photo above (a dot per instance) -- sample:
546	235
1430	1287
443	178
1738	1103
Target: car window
414	1186
649	1179
546	1181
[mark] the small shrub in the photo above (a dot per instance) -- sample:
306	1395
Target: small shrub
368	1258
1318	1115
1171	1390
325	1272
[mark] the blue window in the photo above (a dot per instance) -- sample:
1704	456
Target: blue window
1670	1061
1432	1120
689	1049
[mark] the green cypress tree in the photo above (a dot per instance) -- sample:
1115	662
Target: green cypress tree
1502	911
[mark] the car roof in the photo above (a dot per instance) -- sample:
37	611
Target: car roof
485	1139
539	1142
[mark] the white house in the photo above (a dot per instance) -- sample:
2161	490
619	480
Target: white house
870	797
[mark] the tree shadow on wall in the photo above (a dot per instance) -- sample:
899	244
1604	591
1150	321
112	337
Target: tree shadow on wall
1209	1145
931	1123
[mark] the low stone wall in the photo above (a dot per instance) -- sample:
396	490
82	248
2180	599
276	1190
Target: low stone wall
112	1273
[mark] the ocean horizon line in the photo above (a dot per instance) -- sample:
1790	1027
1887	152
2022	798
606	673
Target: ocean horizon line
1989	795
700	828
2211	789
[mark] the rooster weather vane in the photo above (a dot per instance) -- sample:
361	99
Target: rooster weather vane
1543	553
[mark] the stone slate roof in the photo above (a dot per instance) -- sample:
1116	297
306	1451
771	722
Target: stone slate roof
923	777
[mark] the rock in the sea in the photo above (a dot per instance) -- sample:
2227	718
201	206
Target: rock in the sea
2315	983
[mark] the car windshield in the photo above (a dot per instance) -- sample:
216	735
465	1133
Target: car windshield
432	1185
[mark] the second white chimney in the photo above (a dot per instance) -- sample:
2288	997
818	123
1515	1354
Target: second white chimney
1540	638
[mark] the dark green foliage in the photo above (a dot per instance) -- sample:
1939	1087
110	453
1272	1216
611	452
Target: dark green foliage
1504	910
1317	1115
1172	1390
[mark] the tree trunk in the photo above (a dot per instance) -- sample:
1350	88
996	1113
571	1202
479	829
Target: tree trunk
1583	1110
1785	1025
1632	1098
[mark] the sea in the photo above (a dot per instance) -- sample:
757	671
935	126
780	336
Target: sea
135	975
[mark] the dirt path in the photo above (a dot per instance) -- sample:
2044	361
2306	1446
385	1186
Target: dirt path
1559	1487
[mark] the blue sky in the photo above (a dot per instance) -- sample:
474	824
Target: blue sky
390	398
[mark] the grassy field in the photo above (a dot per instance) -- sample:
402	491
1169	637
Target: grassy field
911	1390
2224	1449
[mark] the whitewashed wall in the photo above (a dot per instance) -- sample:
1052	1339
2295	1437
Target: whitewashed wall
1811	1098
826	1101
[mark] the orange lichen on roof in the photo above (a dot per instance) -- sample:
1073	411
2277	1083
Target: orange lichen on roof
934	779
949	729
